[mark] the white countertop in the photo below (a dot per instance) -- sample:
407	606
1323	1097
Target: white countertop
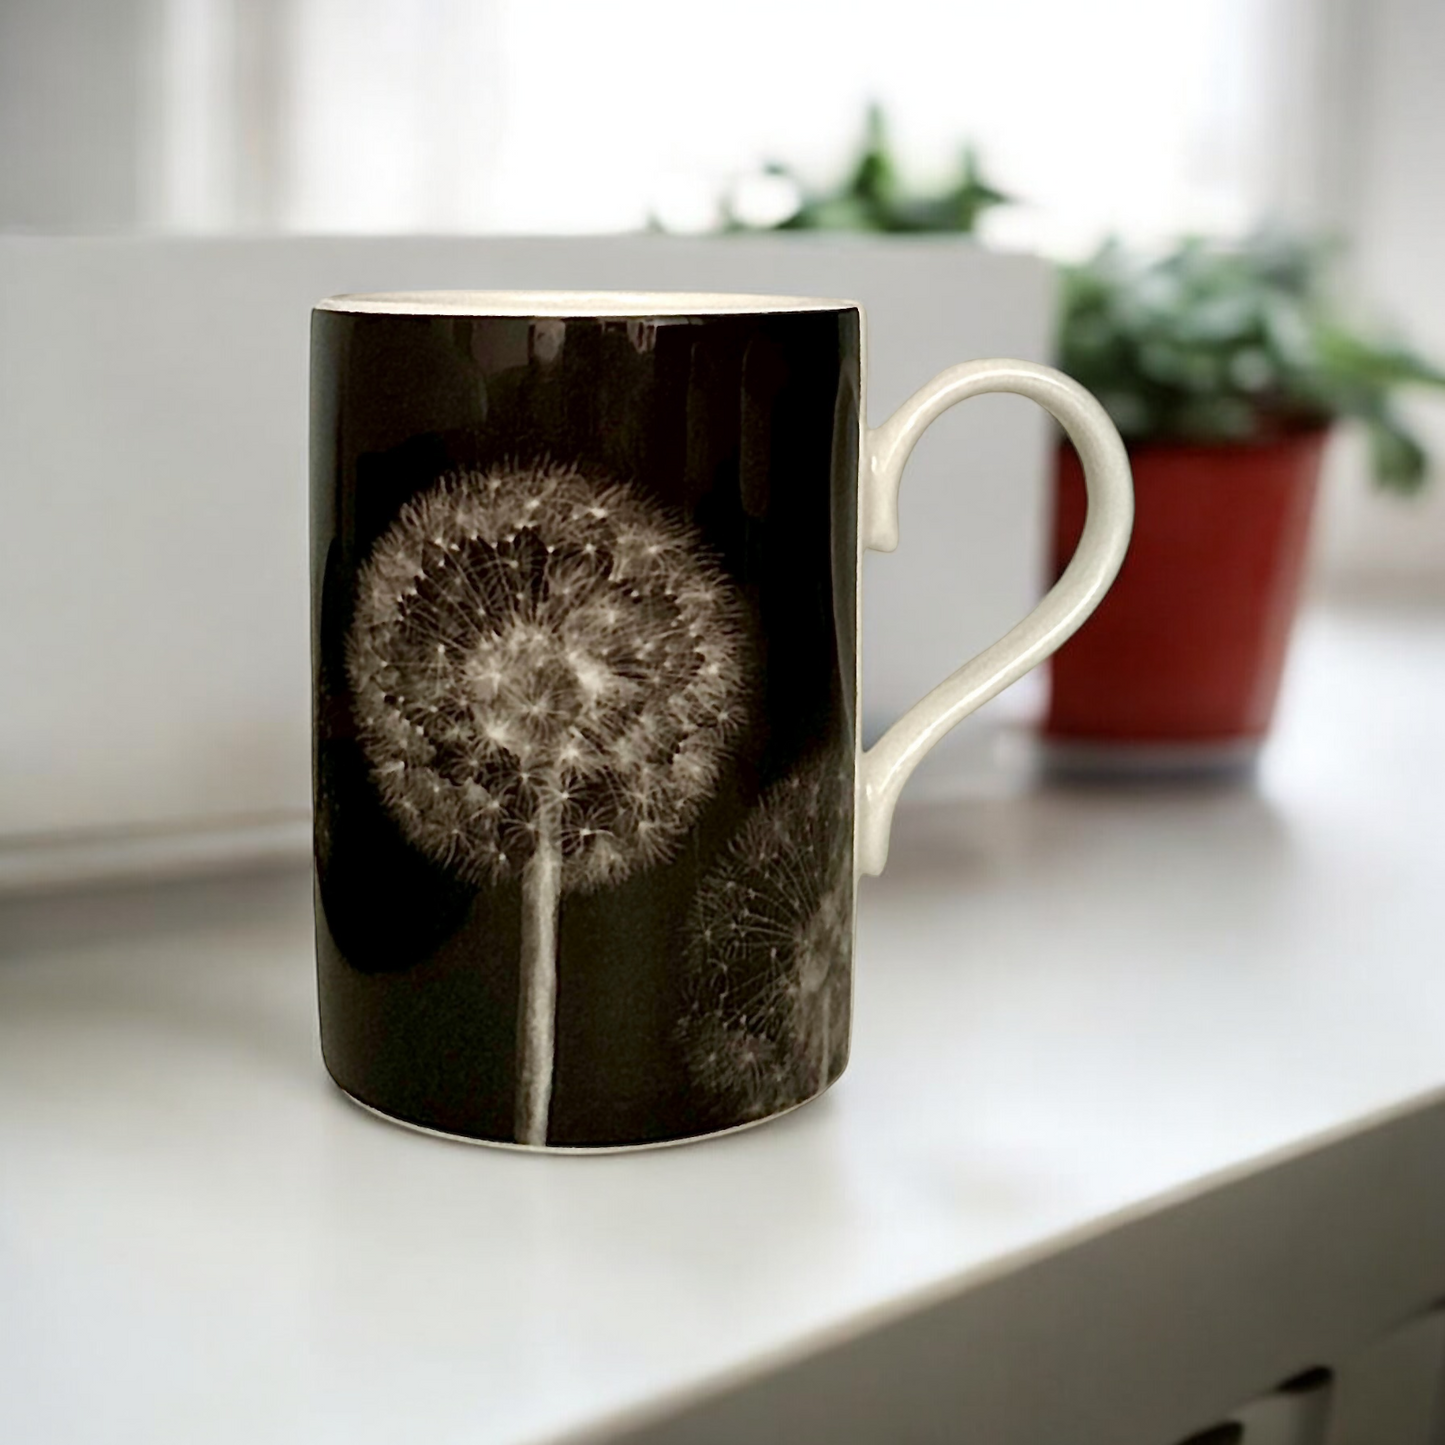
1070	1003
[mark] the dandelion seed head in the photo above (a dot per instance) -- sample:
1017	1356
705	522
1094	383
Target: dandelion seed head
552	663
767	984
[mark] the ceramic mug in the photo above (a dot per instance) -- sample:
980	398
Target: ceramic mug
590	803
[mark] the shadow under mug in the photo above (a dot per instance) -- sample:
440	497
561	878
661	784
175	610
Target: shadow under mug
590	802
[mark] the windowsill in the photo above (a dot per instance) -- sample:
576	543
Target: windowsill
1145	1108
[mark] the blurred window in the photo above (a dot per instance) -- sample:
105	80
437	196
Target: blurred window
574	116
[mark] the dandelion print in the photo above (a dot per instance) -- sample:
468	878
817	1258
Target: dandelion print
769	979
547	673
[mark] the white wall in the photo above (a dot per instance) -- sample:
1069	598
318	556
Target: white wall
153	551
75	81
1392	204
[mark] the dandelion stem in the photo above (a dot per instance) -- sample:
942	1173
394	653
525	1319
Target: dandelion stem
537	1011
825	1040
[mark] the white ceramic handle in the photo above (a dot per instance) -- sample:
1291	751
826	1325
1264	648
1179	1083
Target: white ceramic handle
886	766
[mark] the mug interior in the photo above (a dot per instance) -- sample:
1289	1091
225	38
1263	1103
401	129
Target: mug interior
576	303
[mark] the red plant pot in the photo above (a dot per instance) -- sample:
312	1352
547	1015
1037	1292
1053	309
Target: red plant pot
1180	665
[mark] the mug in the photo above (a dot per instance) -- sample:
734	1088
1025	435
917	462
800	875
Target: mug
590	806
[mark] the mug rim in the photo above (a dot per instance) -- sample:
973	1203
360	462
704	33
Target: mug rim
579	304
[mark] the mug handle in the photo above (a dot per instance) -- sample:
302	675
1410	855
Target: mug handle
885	767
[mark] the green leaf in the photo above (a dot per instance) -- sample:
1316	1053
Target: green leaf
1399	461
1215	342
873	198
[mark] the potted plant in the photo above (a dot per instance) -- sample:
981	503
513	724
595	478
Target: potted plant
872	197
1224	367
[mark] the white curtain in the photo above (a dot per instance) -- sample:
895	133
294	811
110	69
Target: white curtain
574	116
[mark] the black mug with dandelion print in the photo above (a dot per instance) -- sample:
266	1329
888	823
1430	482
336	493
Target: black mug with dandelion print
589	803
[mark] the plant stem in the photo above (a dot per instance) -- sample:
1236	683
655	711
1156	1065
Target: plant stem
537	1004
